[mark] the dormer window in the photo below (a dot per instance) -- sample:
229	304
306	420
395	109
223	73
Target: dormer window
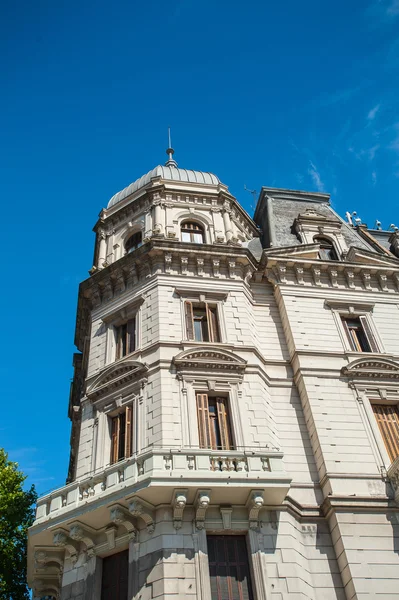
192	232
327	250
134	242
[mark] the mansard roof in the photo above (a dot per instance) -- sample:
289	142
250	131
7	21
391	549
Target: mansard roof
277	209
170	173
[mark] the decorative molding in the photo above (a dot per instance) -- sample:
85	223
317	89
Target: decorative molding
201	505
254	504
142	510
373	368
226	513
178	505
62	540
80	533
120	516
116	375
215	359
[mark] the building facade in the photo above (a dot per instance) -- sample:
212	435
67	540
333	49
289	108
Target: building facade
234	407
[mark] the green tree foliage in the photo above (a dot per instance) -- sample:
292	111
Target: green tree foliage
16	515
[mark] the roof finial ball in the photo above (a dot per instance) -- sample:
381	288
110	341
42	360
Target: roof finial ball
170	152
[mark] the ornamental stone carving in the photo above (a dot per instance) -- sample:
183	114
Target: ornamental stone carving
120	516
255	503
202	504
143	511
178	504
375	368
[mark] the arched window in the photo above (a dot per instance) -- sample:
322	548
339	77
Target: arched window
134	242
327	250
192	232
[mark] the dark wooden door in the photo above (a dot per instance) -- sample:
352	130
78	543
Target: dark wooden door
115	576
229	568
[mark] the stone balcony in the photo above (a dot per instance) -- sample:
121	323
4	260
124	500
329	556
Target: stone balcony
154	474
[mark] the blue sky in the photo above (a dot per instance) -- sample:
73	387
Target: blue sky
293	94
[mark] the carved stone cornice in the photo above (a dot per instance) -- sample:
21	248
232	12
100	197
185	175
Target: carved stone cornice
115	376
372	368
62	540
283	269
210	359
142	510
80	533
120	516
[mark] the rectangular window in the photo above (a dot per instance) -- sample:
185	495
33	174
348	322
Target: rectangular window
121	435
125	336
359	334
213	423
229	568
115	576
201	322
387	418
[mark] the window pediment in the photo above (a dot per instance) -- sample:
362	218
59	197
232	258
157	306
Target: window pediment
373	368
116	376
214	359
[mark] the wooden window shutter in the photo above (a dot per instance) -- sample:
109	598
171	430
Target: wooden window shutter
204	431
387	418
369	334
224	423
188	307
115	439
131	335
348	334
128	432
211	317
118	334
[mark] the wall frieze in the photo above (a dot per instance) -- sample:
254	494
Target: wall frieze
338	275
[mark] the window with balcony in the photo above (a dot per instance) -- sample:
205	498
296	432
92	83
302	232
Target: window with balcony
327	250
229	569
115	569
125	338
192	232
214	429
202	323
134	242
387	417
121	435
359	334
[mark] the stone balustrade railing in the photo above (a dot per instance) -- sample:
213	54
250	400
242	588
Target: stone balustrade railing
158	463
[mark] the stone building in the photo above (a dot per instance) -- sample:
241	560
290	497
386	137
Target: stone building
234	407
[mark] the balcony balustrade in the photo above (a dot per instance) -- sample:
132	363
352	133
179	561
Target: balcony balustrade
160	467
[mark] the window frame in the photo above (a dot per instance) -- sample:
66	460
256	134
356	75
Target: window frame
130	236
349	310
368	398
116	318
215	299
324	243
212	320
217	427
124	415
366	333
192	231
120	334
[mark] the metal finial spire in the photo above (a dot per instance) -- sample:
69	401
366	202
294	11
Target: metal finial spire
170	152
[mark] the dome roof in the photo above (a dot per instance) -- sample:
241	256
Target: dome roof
172	173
